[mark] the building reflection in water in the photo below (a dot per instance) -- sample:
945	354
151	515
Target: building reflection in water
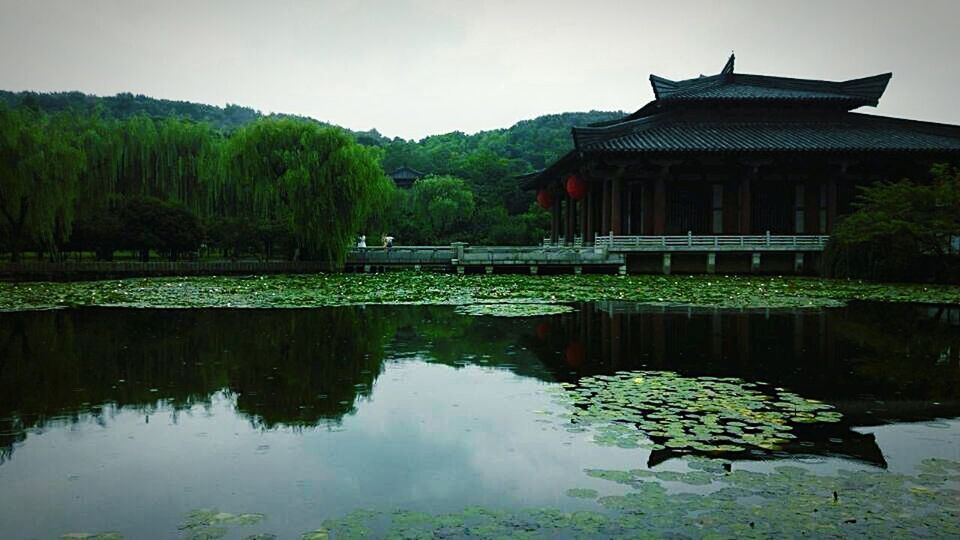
876	363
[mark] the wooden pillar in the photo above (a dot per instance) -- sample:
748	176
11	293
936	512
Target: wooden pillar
800	225
591	217
582	218
605	211
646	202
831	204
571	214
616	206
659	205
555	222
628	210
598	211
746	205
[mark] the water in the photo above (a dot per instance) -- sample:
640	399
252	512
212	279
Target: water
127	420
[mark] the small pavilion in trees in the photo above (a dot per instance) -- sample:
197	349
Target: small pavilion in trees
735	154
404	176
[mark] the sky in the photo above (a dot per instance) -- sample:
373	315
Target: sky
412	68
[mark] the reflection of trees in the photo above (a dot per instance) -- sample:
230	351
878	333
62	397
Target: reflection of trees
438	335
291	367
912	352
308	367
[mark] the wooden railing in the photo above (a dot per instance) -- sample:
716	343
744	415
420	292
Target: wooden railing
561	242
690	242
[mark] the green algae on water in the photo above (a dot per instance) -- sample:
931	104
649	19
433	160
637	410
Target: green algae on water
314	290
785	503
512	309
582	493
705	414
209	524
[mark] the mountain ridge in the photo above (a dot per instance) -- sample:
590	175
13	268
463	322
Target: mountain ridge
232	116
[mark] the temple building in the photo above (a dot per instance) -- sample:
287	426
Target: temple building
404	176
734	154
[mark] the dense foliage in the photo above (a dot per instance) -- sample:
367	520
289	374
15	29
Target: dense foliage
201	157
489	162
39	169
318	180
901	230
148	184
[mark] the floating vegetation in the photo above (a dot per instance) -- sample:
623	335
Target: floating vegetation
582	493
429	288
513	309
789	501
211	524
786	503
706	414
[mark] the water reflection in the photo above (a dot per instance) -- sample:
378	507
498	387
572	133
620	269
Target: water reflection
876	363
298	368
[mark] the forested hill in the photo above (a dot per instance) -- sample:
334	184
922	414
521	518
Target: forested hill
125	105
535	142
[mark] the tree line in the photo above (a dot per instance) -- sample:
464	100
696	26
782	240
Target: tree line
73	181
136	173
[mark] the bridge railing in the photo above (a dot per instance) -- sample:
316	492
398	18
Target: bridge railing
690	242
703	242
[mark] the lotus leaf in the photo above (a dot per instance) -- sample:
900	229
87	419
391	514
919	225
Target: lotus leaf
513	309
313	290
705	414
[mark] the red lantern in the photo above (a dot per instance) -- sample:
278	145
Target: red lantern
574	354
543	331
576	187
544	199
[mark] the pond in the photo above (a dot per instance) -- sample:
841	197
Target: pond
592	419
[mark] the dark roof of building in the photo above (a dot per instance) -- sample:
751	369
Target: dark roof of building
846	132
739	113
406	173
730	86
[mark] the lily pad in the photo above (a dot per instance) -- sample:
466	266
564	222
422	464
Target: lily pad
513	309
582	493
705	414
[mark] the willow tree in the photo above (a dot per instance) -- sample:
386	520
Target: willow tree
39	166
317	179
101	143
442	206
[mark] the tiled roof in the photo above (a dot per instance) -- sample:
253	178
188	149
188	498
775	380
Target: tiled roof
845	133
406	173
741	113
735	90
730	86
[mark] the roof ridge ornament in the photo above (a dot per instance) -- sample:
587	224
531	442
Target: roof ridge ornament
728	67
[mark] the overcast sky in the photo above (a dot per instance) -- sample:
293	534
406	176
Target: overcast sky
412	68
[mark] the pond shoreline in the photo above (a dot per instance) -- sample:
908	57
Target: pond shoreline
335	289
